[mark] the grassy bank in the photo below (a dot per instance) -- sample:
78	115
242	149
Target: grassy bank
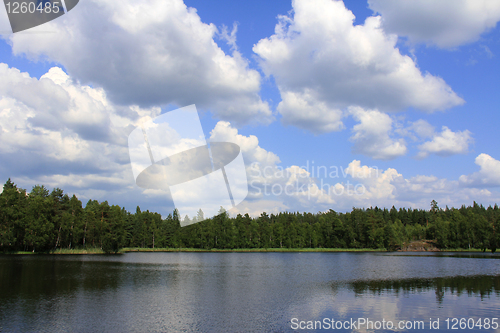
78	251
464	250
61	251
135	249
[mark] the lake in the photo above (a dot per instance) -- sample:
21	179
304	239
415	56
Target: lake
250	292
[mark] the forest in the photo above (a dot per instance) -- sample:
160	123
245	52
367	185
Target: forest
42	221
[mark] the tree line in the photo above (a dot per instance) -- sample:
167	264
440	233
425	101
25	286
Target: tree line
42	221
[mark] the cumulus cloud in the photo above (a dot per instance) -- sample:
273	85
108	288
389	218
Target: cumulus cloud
359	185
261	165
311	187
34	149
487	176
445	23
56	107
422	129
305	111
418	130
48	136
446	143
150	53
57	132
249	145
372	135
321	61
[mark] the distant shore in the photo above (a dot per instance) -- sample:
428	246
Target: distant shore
145	250
250	250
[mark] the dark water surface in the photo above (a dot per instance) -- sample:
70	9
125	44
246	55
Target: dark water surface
247	292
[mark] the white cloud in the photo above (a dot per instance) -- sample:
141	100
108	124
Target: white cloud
487	176
305	111
150	53
321	59
372	135
63	154
378	184
361	186
312	187
446	143
48	136
261	165
54	106
249	145
256	208
445	23
56	132
422	128
416	130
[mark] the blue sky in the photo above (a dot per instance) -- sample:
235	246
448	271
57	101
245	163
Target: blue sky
402	95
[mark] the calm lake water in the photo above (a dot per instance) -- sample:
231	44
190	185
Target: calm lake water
247	292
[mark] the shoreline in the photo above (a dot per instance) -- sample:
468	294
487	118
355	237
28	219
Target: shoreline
269	250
